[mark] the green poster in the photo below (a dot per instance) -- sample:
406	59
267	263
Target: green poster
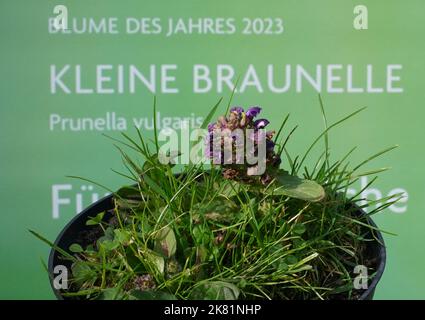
63	90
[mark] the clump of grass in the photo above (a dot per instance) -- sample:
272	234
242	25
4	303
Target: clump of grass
196	235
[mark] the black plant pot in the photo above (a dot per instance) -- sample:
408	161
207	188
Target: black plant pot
72	231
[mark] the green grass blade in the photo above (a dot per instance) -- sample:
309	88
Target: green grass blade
326	136
210	114
325	132
52	245
281	128
231	96
154	125
374	156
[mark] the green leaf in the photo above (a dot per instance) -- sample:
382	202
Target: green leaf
109	235
216	290
82	272
90	249
166	242
291	259
122	236
108	242
298	228
129	192
295	187
230	188
132	204
76	248
151	295
95	220
128	197
144	226
109	245
201	254
282	266
156	260
201	234
111	294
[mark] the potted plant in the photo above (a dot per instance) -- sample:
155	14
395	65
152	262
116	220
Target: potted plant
235	229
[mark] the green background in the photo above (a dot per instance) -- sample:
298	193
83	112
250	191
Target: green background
33	158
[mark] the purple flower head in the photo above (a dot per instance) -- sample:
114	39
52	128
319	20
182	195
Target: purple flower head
208	153
226	145
269	145
261	123
222	122
208	144
257	135
270	134
238	110
238	136
253	112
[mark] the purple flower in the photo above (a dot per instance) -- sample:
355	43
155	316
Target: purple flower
208	143
222	122
253	112
237	135
257	136
269	145
270	134
261	123
225	145
238	110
